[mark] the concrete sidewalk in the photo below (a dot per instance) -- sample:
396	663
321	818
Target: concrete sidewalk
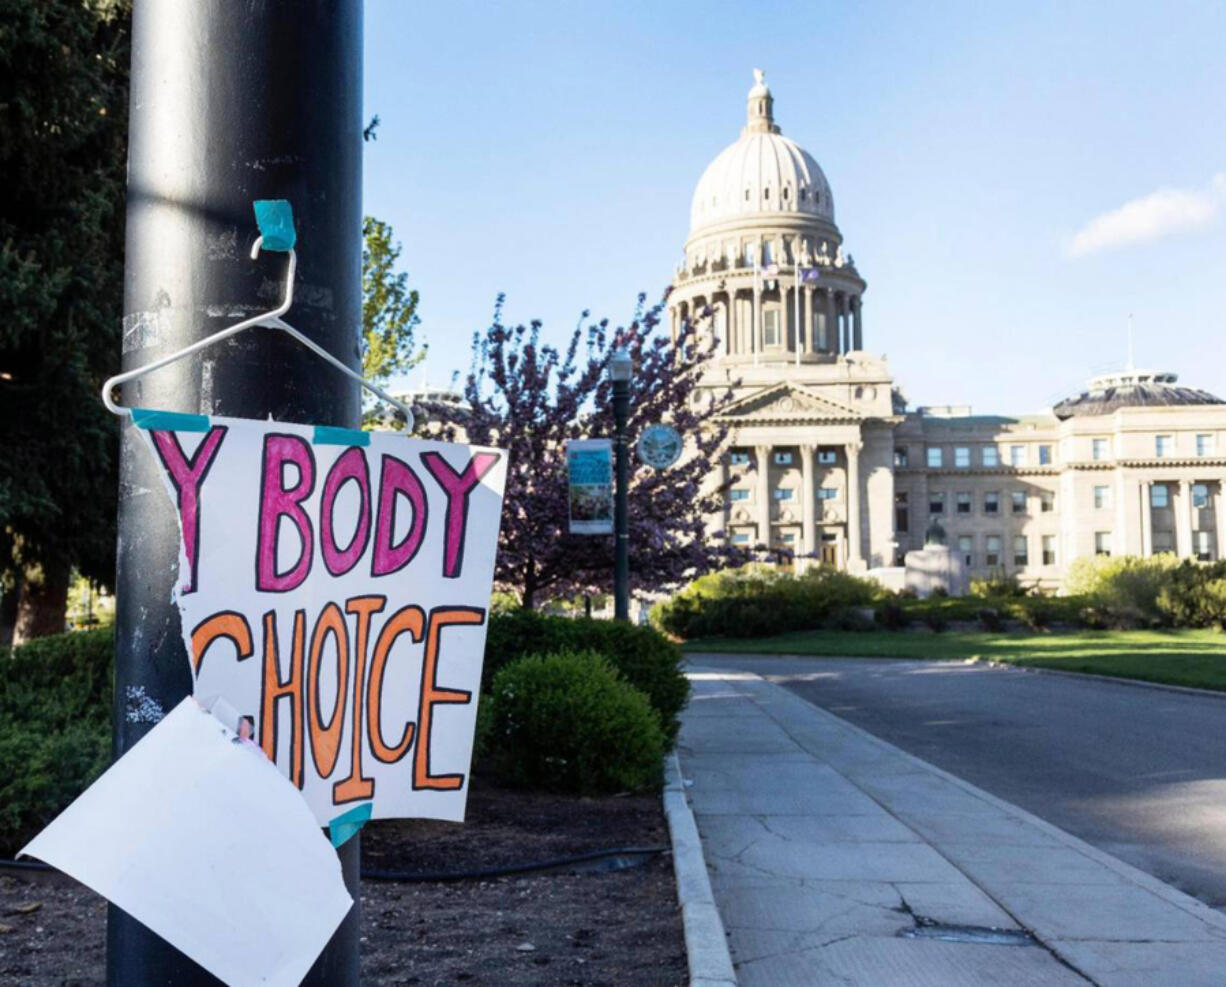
837	858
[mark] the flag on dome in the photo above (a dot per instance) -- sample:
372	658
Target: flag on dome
810	275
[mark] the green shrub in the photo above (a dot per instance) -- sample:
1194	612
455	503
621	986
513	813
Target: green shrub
991	620
1195	595
644	657
55	728
568	722
1123	589
758	601
892	617
997	586
935	621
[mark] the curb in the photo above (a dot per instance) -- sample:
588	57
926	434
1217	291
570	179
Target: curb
1168	893
1187	690
706	943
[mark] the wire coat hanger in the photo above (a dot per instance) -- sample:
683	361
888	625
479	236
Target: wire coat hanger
281	240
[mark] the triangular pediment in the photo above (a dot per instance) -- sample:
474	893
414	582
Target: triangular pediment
786	402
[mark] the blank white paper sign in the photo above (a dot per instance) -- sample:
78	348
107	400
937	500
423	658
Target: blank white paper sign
200	838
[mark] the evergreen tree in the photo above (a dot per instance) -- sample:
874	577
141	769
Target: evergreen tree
63	125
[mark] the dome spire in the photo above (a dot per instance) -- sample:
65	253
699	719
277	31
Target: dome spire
761	116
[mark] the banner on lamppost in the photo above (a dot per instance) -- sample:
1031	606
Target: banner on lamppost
589	474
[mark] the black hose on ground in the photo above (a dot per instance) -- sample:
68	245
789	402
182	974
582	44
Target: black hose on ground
593	862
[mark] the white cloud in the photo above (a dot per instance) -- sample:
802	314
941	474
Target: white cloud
1152	217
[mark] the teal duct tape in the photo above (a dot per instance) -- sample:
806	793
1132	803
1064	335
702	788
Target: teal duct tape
169	421
342	828
275	218
328	435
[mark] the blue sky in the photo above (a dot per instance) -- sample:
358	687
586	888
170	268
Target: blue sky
1012	179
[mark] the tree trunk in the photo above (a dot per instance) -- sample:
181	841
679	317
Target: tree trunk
8	617
43	604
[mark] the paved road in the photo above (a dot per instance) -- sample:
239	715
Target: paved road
1138	773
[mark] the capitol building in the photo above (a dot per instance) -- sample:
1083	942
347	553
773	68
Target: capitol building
826	461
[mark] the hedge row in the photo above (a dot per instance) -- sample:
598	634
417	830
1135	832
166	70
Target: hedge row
615	699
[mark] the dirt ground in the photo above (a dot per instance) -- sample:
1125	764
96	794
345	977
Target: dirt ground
548	929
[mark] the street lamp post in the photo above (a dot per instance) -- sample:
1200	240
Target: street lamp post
620	370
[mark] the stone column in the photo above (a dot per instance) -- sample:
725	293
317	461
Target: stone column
726	516
1219	520
832	328
762	454
844	324
756	320
808	537
859	334
855	551
1183	520
1147	519
1123	529
807	315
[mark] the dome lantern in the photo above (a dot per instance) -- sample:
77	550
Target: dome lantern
761	106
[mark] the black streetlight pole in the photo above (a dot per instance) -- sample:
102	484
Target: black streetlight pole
620	370
230	102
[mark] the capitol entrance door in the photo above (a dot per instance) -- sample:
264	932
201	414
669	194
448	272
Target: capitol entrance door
830	549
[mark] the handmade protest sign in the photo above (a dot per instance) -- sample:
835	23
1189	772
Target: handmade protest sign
589	473
334	587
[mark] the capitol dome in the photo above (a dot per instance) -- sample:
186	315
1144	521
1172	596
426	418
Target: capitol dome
762	174
1131	389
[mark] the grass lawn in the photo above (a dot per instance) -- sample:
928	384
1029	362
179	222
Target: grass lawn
1194	658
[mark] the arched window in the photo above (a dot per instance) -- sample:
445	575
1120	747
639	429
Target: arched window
785	192
766	192
804	193
747	195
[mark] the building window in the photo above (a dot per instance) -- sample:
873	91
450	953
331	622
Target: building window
1049	549
1102	498
962	502
1021	554
783	459
991	550
966	546
934	457
1204	444
1102	543
900	457
1202	546
1164	445
991	502
1098	449
1018	499
828	493
962	456
902	514
789	538
1044	455
827	456
1017	455
1047	501
804	193
719	321
738	459
783	493
1200	495
1164	541
738	495
936	502
990	456
1159	495
740	538
819	331
751	248
770	327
